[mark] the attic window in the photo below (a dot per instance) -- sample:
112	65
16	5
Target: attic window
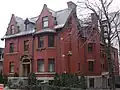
45	22
12	29
55	21
18	27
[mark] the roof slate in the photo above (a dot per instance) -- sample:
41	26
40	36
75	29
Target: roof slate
61	18
23	33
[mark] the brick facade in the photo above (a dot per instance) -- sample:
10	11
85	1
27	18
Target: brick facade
70	52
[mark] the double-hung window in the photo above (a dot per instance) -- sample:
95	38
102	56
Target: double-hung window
45	22
40	65
40	42
50	40
11	48
51	64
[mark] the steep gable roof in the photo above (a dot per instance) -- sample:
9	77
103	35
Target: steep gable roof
61	18
20	23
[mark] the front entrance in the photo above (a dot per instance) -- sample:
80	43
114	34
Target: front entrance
26	69
25	66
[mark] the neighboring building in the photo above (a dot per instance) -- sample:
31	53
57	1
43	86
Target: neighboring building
1	58
55	41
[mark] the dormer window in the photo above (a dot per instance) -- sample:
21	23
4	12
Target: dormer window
12	29
45	22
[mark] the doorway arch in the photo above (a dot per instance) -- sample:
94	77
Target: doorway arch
25	65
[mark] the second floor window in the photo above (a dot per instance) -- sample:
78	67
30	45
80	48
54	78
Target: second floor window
90	47
91	66
45	22
11	47
51	64
40	65
50	41
26	45
40	42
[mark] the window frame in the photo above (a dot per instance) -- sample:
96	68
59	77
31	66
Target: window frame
11	67
44	20
38	65
40	41
11	48
90	47
26	45
93	82
12	29
53	64
51	40
91	66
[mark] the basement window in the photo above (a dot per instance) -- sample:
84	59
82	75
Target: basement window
91	82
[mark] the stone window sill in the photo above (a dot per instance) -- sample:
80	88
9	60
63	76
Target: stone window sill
40	49
11	73
45	73
51	48
12	53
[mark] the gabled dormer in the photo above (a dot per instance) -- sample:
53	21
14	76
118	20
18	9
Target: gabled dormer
29	25
45	19
14	26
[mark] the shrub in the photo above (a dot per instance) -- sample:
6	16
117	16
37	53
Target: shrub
32	79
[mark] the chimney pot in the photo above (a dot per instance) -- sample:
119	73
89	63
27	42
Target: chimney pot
71	5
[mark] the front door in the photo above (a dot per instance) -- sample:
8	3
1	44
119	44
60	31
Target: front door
26	69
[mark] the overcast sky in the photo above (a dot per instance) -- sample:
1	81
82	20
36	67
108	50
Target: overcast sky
29	8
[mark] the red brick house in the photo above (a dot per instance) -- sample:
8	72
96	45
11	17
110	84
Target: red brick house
54	41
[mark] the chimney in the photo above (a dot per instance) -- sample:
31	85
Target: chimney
71	5
94	19
45	5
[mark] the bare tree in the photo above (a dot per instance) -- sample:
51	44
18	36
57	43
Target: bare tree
109	30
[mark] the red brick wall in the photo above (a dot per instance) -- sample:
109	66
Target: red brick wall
62	46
